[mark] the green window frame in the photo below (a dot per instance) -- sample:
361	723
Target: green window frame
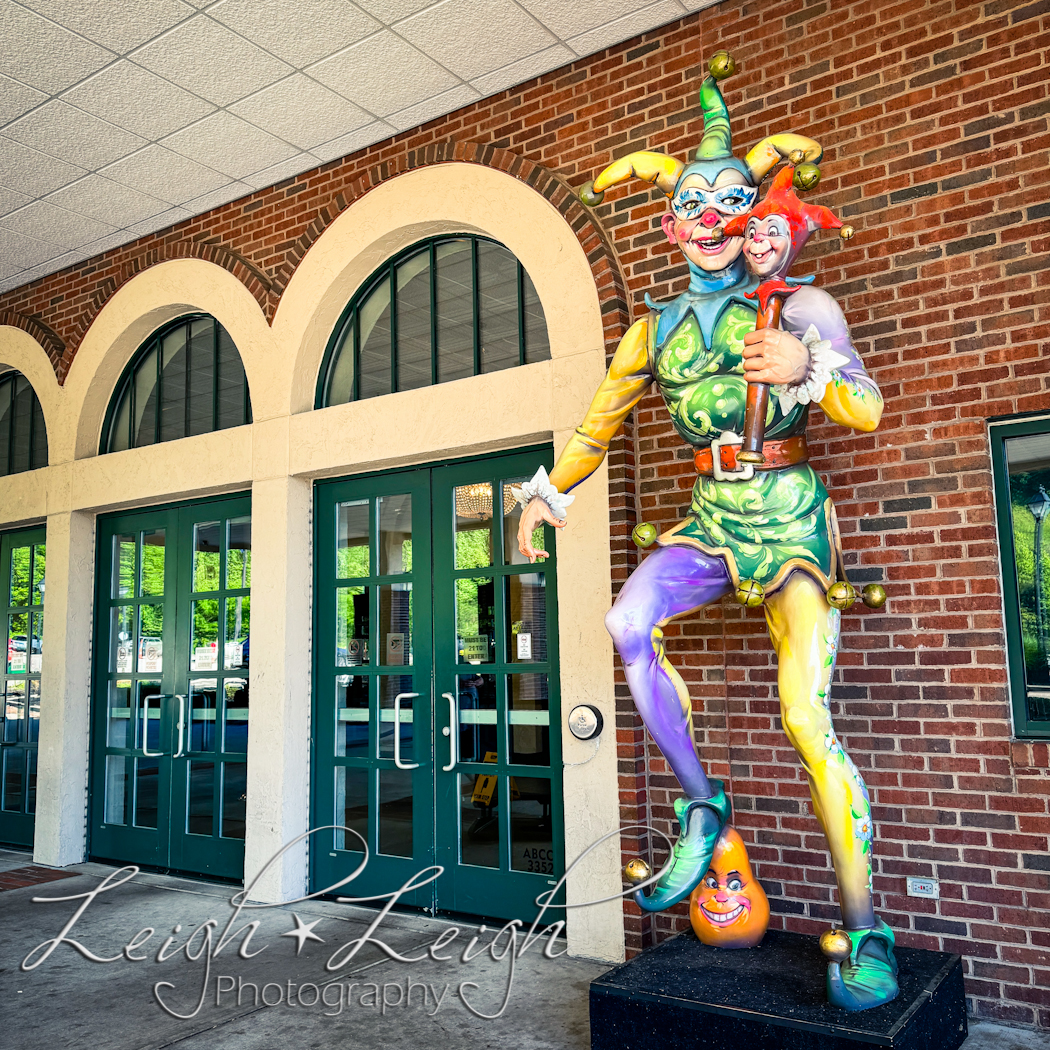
23	435
442	309
186	379
1021	477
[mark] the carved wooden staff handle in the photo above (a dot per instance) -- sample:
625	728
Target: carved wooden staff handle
758	393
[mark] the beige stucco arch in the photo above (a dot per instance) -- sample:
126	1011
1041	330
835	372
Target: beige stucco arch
426	202
151	299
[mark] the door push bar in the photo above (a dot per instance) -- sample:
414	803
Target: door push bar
397	732
451	732
179	752
144	701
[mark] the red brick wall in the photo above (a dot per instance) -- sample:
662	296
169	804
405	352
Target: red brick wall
934	120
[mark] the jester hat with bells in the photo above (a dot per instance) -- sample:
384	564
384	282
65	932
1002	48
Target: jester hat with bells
714	154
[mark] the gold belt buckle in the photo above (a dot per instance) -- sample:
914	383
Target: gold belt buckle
743	472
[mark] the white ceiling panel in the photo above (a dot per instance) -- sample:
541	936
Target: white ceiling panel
137	100
45	222
228	144
16	98
301	111
24	251
10	200
160	222
524	69
383	74
626	27
105	200
391	11
127	116
346	144
223	195
280	172
430	108
568	20
298	31
165	175
42	54
211	60
139	20
499	31
32	172
73	136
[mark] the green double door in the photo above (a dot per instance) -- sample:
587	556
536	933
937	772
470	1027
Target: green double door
170	688
436	710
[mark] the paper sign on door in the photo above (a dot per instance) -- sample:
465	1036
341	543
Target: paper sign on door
395	649
524	646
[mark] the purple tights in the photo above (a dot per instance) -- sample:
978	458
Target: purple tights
670	582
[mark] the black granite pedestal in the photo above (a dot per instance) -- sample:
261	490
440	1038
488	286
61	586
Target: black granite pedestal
683	994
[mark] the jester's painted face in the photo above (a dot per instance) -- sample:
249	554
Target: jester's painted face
767	246
729	909
699	211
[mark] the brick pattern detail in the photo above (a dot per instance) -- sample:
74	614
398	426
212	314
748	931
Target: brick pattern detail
933	115
32	875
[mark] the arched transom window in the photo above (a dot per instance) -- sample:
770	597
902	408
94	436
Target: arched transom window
444	309
23	436
186	379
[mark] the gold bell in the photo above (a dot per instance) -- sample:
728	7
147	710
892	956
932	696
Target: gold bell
722	65
873	595
836	945
807	176
636	871
846	232
750	593
644	534
841	595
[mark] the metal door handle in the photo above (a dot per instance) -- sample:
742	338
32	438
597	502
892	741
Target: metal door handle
451	731
145	723
182	724
397	732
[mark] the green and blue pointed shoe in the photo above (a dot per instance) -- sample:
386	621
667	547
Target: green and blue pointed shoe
701	821
862	974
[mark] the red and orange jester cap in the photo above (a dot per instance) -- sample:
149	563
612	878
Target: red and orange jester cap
803	219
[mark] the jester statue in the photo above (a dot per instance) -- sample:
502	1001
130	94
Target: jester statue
763	531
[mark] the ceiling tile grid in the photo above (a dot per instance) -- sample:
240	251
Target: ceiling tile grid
120	118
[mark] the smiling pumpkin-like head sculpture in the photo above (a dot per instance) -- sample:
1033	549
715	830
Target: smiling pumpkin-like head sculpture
729	908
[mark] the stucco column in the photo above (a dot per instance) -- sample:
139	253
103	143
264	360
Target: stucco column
279	729
65	690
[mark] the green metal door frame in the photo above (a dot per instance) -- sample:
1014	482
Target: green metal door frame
156	722
18	740
509	889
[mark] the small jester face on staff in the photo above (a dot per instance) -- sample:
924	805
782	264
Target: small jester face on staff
729	909
767	246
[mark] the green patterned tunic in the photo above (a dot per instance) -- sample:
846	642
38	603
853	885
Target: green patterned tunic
780	519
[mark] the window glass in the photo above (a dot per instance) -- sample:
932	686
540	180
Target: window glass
1027	460
442	310
23	436
186	379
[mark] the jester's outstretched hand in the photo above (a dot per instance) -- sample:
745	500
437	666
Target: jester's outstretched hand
765	532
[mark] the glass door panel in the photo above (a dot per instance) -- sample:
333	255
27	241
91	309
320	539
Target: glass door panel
498	815
373	757
23	558
171	687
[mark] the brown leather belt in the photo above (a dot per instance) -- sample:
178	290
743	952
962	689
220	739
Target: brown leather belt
779	454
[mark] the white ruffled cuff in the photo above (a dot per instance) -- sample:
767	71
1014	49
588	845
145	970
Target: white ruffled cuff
541	486
822	362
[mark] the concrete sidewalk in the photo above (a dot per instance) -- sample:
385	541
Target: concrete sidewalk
282	996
